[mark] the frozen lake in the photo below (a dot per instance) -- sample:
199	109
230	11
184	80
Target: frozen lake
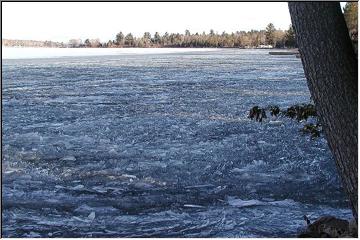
158	144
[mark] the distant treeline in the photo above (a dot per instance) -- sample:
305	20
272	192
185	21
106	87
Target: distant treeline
268	38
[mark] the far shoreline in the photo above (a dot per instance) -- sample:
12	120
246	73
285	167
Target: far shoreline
168	47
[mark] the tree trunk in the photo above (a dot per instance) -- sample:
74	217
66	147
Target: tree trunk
330	67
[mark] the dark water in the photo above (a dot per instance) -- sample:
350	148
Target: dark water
160	146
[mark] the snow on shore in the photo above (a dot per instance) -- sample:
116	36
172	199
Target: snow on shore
25	53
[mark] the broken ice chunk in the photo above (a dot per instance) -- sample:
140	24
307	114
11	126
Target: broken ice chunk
91	216
68	158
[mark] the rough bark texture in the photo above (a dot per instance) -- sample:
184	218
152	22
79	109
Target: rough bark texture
330	67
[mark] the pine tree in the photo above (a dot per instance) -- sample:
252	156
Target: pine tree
157	38
119	39
129	40
290	41
270	34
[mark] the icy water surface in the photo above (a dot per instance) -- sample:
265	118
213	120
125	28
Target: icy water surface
159	145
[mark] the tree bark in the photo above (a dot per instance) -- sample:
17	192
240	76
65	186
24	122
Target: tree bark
330	67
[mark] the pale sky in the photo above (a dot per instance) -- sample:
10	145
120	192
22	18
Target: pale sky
62	21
